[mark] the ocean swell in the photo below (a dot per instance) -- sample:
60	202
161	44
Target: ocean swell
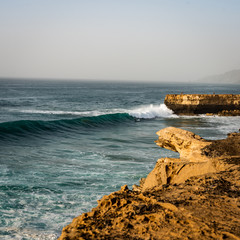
26	127
34	126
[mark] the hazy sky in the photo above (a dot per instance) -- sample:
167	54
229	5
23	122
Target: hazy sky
156	40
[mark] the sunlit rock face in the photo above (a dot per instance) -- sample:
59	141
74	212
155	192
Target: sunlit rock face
194	160
190	104
195	196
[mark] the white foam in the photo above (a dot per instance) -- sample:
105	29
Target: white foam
146	112
225	124
151	111
30	234
84	113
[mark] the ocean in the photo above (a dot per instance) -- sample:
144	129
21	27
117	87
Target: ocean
66	144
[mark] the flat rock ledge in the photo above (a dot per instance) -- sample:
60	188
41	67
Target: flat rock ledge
210	104
196	196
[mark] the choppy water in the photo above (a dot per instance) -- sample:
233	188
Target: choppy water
63	145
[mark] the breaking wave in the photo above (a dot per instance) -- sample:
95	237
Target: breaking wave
144	112
95	120
152	112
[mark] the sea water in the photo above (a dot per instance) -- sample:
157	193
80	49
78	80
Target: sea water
64	145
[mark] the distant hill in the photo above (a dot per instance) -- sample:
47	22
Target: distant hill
231	77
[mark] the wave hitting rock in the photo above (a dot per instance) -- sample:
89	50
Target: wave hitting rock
194	197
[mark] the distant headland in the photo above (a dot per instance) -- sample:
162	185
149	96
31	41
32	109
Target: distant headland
229	77
190	104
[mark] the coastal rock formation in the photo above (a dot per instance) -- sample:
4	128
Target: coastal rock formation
194	197
187	144
189	104
193	161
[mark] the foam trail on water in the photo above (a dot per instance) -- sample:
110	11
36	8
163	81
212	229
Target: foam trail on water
224	124
77	113
148	112
144	112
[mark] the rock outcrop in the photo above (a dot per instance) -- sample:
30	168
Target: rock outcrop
187	144
194	197
190	104
194	158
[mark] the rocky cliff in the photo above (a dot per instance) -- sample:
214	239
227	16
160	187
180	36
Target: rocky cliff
222	104
196	196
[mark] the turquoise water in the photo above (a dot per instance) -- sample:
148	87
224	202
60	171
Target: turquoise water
63	145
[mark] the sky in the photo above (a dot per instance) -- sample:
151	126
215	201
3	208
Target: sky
127	40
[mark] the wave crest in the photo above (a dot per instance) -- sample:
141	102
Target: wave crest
25	127
144	112
152	111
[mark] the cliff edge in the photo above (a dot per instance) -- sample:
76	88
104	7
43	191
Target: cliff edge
195	196
190	104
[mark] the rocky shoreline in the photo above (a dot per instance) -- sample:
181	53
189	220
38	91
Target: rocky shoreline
210	104
196	196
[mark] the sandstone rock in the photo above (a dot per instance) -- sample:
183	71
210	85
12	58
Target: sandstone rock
229	113
188	144
194	197
189	104
175	172
195	157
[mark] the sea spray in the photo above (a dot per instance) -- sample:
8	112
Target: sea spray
151	111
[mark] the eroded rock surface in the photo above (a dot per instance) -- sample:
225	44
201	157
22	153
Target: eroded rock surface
194	158
194	197
189	104
188	144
